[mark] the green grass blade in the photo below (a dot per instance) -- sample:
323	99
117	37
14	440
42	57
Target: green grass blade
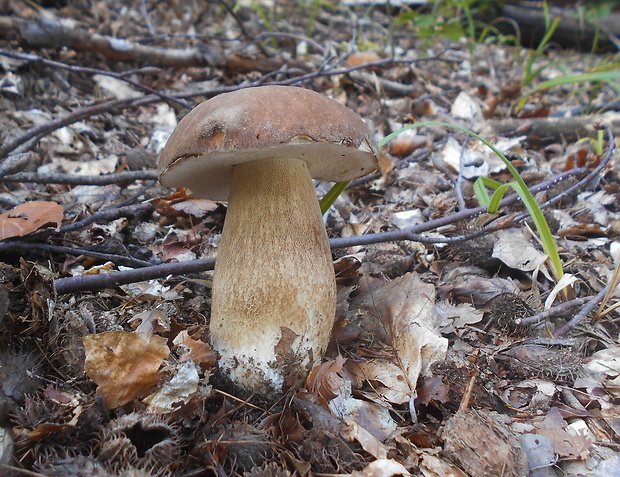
498	195
519	185
331	196
579	78
480	189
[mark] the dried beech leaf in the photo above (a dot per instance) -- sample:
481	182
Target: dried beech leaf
198	351
517	251
323	381
196	207
481	443
26	218
124	365
370	443
407	306
386	378
382	468
565	444
433	466
176	392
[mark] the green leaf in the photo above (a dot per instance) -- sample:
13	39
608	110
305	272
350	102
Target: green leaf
331	196
480	189
493	206
579	78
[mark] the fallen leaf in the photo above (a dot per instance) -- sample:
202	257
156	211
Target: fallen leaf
323	380
176	392
407	306
481	443
28	217
517	251
434	389
198	351
433	466
382	468
196	207
387	379
566	444
123	365
370	443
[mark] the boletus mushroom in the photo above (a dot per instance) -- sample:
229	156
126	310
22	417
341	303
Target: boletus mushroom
274	290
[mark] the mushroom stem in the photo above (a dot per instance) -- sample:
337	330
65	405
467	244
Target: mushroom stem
274	289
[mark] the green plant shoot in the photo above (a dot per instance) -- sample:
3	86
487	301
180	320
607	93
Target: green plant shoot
492	203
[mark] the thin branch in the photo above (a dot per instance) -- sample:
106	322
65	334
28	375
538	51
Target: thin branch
104	216
553	311
93	71
73	179
50	32
592	302
97	282
114	279
124	260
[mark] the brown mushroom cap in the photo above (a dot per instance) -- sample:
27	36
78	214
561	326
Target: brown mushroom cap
265	122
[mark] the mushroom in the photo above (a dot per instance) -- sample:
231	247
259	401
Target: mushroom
274	289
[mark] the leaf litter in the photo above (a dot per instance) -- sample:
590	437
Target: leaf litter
430	370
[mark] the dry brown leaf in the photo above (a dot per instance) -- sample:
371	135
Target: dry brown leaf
124	365
323	382
481	443
196	207
198	351
382	468
433	466
386	378
26	218
354	432
407	307
565	444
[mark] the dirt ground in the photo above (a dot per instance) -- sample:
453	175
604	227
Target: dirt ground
466	342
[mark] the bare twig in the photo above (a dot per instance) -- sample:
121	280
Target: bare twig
105	215
127	261
93	71
96	282
50	32
553	311
592	302
110	280
73	179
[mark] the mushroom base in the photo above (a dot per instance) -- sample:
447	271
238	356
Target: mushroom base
274	289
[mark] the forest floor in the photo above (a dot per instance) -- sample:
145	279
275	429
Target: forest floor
454	351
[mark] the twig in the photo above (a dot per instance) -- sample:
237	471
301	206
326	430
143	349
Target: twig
93	71
553	311
147	20
114	279
50	32
73	179
10	246
97	282
592	302
105	215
